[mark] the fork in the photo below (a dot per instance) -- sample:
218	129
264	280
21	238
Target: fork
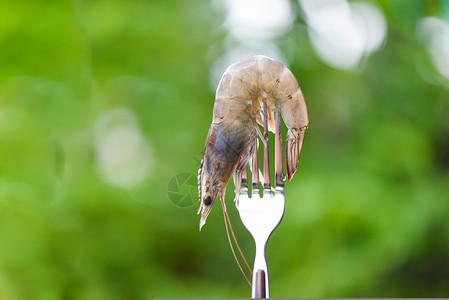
261	215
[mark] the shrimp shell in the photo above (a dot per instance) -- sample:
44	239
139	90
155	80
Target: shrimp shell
237	110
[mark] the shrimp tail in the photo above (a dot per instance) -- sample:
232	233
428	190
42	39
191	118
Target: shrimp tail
293	148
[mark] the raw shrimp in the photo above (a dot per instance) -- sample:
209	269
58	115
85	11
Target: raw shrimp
237	110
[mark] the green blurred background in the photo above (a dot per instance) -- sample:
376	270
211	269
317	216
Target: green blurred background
104	103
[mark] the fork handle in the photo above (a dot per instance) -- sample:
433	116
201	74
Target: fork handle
260	273
260	284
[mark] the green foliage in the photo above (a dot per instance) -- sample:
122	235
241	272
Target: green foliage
366	214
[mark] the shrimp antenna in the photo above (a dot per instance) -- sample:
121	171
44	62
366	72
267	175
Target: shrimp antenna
228	223
237	244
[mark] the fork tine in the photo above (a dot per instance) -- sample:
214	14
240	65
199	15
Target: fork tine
255	170
278	159
244	188
266	150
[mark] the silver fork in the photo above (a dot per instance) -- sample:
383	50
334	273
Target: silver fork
261	215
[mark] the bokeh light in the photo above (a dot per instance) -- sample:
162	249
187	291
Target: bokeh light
436	32
344	32
258	19
124	157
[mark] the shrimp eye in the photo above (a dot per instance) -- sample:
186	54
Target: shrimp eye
207	200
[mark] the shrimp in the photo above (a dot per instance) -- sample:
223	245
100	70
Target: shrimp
237	110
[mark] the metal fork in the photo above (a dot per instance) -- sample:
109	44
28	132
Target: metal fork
261	215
